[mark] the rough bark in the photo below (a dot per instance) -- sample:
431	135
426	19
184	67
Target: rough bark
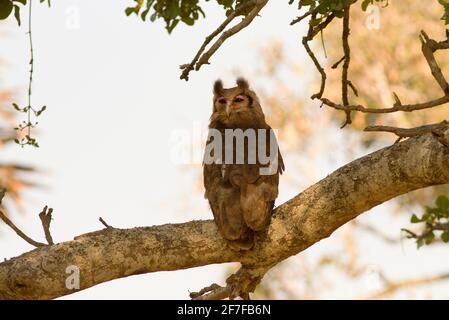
297	224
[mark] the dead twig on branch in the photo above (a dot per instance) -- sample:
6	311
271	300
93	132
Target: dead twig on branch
46	216
104	223
15	228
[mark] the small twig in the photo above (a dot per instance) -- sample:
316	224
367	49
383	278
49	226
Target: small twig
312	32
104	223
13	226
354	89
30	36
19	232
302	17
46	216
347	58
336	64
429	46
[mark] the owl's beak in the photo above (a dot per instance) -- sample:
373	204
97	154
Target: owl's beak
228	110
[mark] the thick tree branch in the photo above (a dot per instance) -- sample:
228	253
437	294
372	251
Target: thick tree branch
297	224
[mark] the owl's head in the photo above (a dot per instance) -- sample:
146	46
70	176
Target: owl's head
236	107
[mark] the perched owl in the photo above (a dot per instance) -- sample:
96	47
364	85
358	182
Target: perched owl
241	166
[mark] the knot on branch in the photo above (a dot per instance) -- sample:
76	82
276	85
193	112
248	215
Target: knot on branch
240	284
441	132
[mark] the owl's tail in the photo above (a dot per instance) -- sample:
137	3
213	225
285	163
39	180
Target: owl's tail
246	242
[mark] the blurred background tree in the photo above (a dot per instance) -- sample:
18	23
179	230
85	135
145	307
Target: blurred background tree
15	176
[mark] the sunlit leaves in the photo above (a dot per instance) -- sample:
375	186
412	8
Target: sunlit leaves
434	219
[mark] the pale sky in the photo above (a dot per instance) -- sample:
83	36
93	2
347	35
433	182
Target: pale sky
114	98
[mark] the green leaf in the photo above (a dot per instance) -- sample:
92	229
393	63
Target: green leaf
171	26
429	238
445	236
414	219
6	7
17	14
144	14
129	11
365	4
420	242
189	21
442	202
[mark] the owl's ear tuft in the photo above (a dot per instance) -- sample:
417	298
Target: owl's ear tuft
218	87
242	83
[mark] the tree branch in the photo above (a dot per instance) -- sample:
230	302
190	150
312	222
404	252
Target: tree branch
311	33
307	218
346	62
428	46
203	58
408	132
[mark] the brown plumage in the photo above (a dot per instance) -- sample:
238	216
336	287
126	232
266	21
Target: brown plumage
241	195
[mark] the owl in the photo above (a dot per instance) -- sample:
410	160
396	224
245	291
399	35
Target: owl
240	184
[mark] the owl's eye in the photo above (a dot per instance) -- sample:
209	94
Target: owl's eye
222	100
238	99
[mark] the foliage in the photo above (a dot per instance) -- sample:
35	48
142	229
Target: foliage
7	7
445	4
175	11
435	219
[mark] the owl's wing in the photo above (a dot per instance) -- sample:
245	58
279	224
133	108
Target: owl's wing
259	190
224	200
